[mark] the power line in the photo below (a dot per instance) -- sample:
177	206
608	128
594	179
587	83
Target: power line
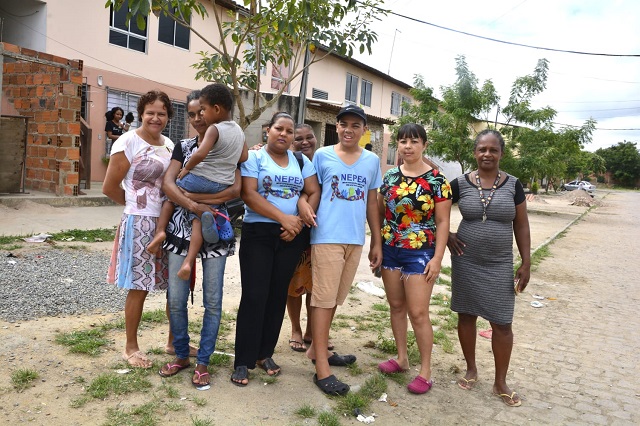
391	12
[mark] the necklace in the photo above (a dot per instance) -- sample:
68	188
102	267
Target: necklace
485	202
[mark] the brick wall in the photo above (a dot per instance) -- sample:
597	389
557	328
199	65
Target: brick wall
46	89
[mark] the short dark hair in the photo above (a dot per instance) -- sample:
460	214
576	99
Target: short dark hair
218	94
485	132
150	97
412	130
304	126
194	95
280	114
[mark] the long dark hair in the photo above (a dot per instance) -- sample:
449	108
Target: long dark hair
110	115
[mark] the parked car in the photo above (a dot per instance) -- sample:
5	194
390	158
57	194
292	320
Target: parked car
579	184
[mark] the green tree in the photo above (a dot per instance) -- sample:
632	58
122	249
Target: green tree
450	120
623	162
280	32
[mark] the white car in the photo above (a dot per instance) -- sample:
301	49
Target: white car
579	184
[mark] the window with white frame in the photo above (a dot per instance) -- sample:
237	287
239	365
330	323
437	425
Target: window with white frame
404	105
365	93
391	155
127	34
351	90
396	100
170	32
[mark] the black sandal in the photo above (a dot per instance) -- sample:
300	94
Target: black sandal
241	373
269	364
331	385
336	360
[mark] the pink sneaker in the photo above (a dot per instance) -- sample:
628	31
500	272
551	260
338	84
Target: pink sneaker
420	385
391	366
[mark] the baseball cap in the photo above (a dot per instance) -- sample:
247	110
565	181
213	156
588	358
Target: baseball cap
352	109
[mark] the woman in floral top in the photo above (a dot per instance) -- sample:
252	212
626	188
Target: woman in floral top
416	202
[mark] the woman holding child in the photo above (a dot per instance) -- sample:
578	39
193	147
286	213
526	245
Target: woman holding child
179	242
138	162
415	201
272	181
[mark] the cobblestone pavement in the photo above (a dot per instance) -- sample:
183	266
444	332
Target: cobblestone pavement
577	359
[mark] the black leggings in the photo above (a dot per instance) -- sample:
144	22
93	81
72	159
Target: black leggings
267	264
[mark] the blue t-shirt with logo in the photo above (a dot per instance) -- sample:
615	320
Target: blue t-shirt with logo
281	186
342	213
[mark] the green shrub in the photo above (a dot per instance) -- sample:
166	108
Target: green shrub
534	187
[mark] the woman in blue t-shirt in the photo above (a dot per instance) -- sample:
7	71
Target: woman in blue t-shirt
272	181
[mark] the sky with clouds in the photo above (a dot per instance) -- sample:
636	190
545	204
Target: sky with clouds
605	88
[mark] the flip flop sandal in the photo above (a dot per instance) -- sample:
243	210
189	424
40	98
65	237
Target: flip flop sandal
467	384
170	366
331	385
420	385
241	373
268	364
200	386
509	399
336	360
390	367
300	348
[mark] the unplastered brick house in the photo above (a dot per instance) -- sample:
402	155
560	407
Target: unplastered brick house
106	62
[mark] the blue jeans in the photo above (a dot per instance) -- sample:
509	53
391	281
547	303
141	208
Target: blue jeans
178	295
201	185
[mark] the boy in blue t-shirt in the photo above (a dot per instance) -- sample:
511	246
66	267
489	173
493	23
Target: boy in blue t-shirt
350	177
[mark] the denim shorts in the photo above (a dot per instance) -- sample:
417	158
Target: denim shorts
198	184
407	261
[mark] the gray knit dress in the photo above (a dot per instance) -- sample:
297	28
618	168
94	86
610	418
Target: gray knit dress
482	278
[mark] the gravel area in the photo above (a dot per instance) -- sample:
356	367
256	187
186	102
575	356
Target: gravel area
56	282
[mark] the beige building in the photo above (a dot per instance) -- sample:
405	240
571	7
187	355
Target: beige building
120	62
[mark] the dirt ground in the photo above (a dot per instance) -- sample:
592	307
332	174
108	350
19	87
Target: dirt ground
63	377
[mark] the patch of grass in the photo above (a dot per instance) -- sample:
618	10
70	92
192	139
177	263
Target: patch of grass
444	282
80	380
354	369
265	378
195	421
173	406
10	247
200	402
386	345
227	322
446	270
195	326
220	360
372	388
10	239
156	351
170	391
327	418
159	316
91	236
22	378
79	402
142	415
439	299
381	307
118	384
354	299
337	325
482	324
400	378
86	342
440	338
306	411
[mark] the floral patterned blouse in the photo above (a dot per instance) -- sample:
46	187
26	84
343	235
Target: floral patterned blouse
410	203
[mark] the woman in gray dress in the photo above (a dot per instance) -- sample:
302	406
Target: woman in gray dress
494	209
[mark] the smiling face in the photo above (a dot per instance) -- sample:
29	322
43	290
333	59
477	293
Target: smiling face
305	141
155	118
350	129
280	135
488	152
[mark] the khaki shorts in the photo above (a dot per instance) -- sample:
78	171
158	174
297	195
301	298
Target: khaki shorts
333	267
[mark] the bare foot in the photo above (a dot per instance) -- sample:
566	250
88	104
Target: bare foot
170	350
137	359
155	244
185	271
200	376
